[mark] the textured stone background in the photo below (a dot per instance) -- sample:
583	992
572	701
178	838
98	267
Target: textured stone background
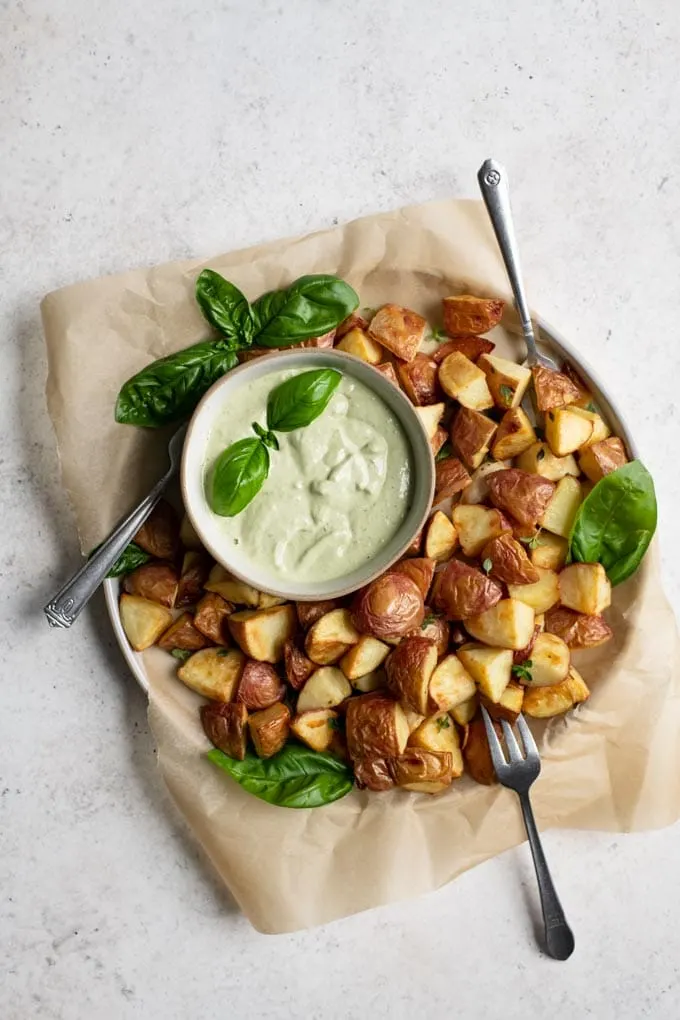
135	133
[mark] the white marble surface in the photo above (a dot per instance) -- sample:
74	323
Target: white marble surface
133	133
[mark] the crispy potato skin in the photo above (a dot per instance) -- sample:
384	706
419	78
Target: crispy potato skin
398	329
183	634
436	629
523	654
324	341
420	570
438	439
510	705
373	774
330	637
260	686
416	765
450	478
212	614
159	535
460	591
471	346
466	315
409	669
353	321
577	630
269	729
553	389
154	581
297	666
522	495
371	727
602	458
309	612
416	544
195	569
476	752
510	563
389	607
225	727
419	380
515	435
471	435
387	369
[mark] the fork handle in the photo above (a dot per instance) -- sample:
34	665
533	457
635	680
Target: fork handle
559	939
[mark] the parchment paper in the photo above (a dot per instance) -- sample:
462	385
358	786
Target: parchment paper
613	764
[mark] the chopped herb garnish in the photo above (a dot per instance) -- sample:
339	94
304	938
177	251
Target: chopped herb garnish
443	723
181	653
430	618
446	451
506	394
487	564
440	335
531	541
590	406
523	671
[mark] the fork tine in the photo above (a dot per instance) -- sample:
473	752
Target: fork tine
513	747
527	736
497	756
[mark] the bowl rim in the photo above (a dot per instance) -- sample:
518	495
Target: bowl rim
416	436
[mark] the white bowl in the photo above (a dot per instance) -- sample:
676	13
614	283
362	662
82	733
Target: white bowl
207	525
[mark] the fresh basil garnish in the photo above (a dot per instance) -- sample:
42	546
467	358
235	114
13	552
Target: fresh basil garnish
225	307
169	389
299	400
130	558
616	521
445	452
239	474
296	777
267	437
310	307
523	671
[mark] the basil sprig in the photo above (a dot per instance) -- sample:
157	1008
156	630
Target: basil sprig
296	777
242	469
616	521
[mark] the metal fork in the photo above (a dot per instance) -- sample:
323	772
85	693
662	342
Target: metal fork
518	774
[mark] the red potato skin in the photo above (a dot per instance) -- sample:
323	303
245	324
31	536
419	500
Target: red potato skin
309	612
510	563
553	389
368	736
225	727
466	315
298	667
154	581
576	629
460	591
420	380
470	432
416	544
476	752
399	329
471	346
403	664
525	653
212	616
260	686
420	570
159	535
417	765
388	607
522	495
322	342
438	440
183	634
192	580
373	774
353	321
436	630
451	477
387	369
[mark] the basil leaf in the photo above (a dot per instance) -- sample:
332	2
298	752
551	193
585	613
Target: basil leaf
298	401
225	307
239	474
130	558
170	388
615	523
268	438
311	306
296	777
445	452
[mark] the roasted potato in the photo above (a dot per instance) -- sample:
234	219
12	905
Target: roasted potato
509	561
490	668
370	681
515	435
309	612
550	661
460	591
373	774
461	379
213	672
269	729
414	549
601	430
296	664
577	629
542	595
262	633
409	669
549	551
230	588
450	684
330	637
471	435
361	345
545	702
476	753
478	489
522	654
506	380
470	346
376	727
225	727
260	686
476	526
363	657
422	771
585	587
439	734
552	389
419	569
509	624
509	705
466	711
188	536
419	380
143	621
316	728
523	495
193	575
430	416
450	479
600	459
353	321
441	538
466	315
183	634
584	394
159	535
156	582
398	329
438	439
327	687
212	618
566	431
388	607
414	719
386	368
436	629
540	460
561	511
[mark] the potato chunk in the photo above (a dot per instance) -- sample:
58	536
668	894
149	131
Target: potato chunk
159	535
470	346
330	637
508	706
363	657
509	624
542	595
422	771
373	774
370	681
326	688
460	591
585	587
260	686
143	621
386	368
553	389
376	727
478	489
298	667
184	635
477	525
262	633
566	431
577	629
419	379
515	435
389	607
156	582
409	669
545	702
213	672
225	727
441	538
600	459
420	569
439	734
316	728
506	380
436	629
212	616
362	346
476	752
461	379
549	661
309	612
523	495
450	683
193	575
269	729
549	551
398	329
508	561
466	711
490	668
450	479
438	440
471	434
561	511
466	315
540	460
430	416
230	588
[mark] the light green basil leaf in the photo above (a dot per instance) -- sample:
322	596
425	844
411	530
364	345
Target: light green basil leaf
299	400
239	473
296	777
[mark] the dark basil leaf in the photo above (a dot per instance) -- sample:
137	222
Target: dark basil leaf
169	389
225	307
299	400
445	452
267	437
130	558
311	306
296	777
615	523
239	474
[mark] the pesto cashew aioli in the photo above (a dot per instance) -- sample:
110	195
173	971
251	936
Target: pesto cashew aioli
337	491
